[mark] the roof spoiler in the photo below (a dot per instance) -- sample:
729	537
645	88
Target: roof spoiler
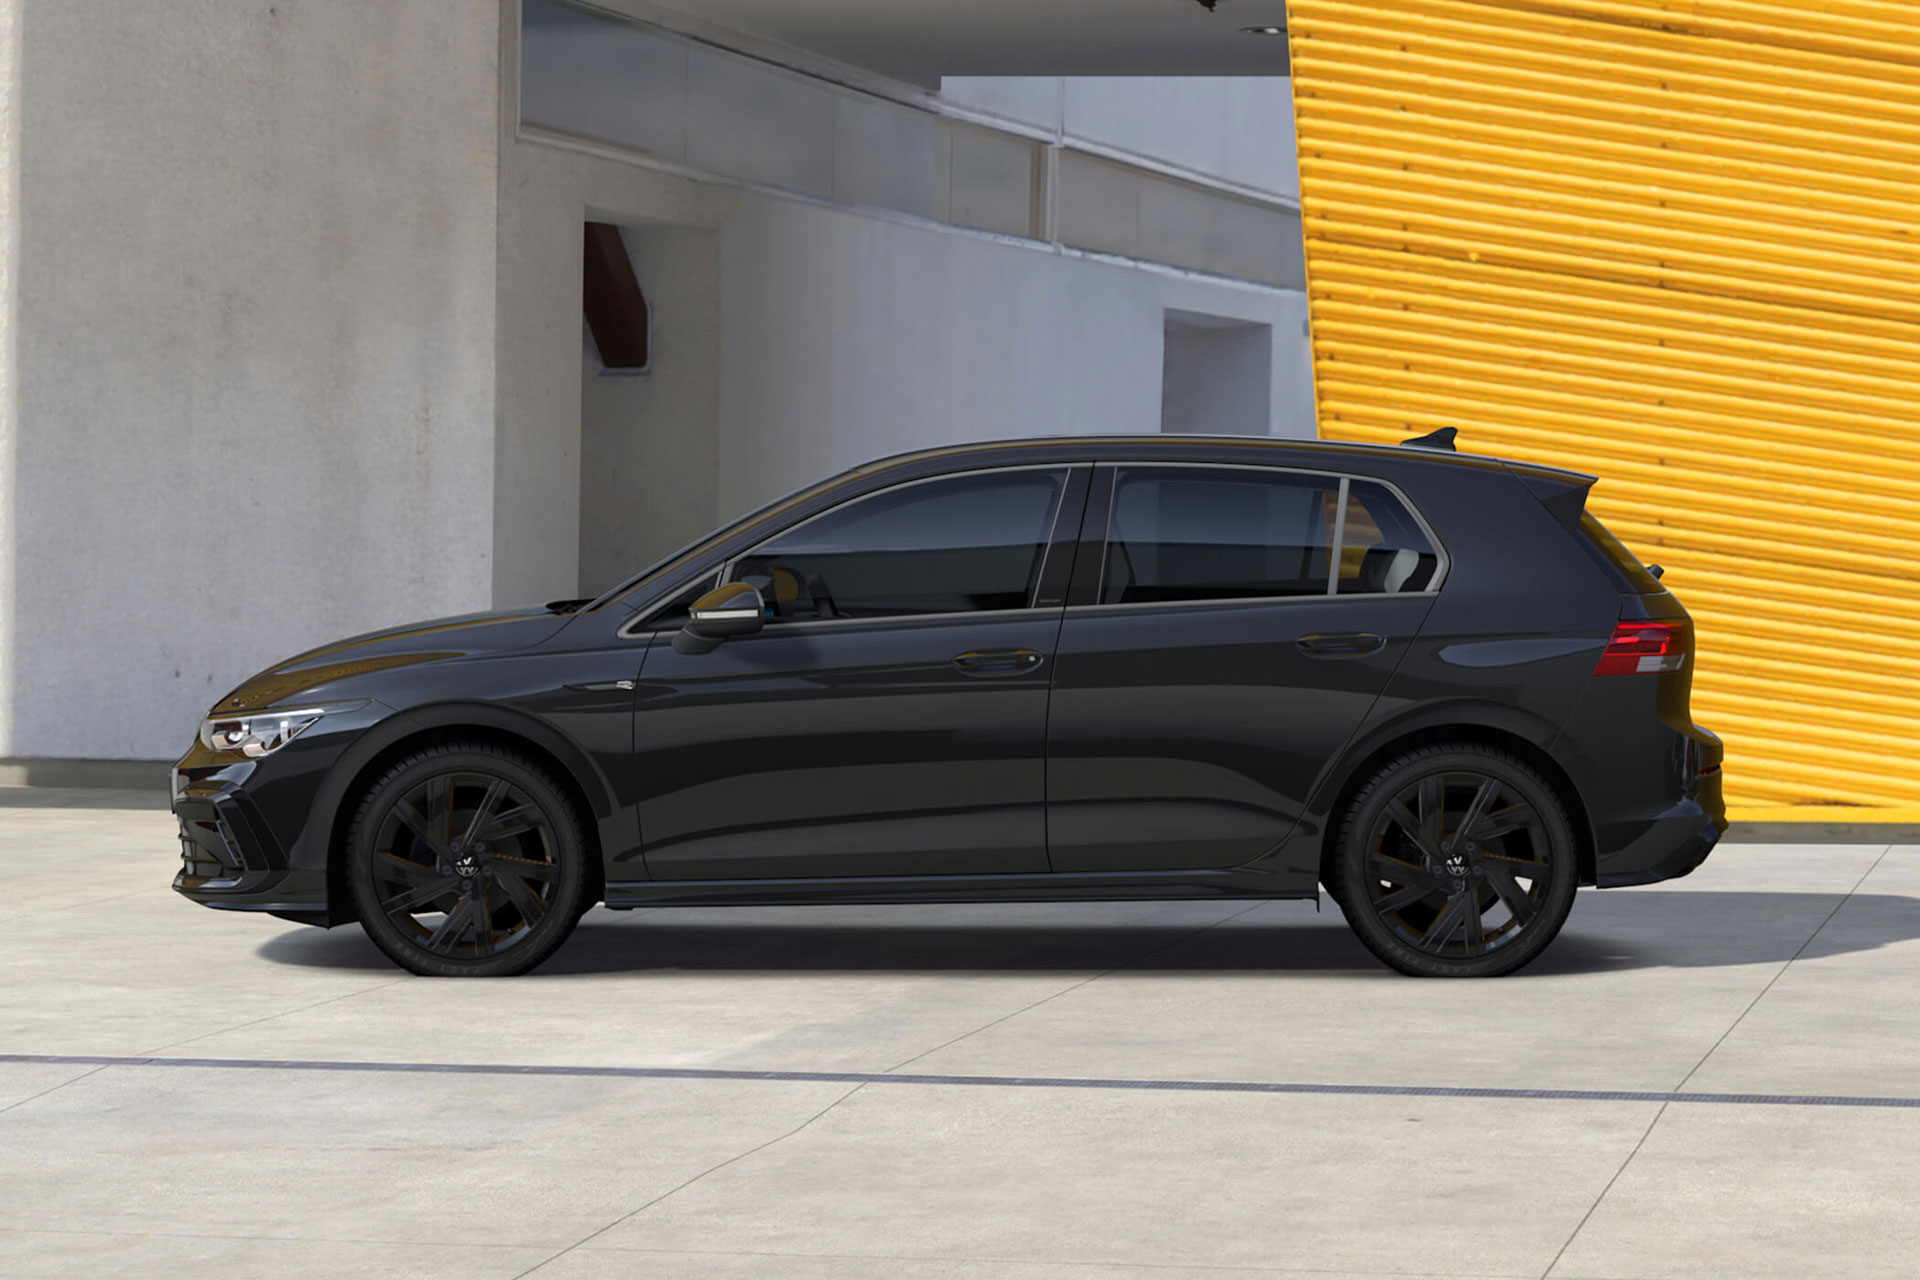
1441	439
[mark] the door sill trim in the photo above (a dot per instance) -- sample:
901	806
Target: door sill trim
1042	886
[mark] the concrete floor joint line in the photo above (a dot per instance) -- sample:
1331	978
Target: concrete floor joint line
980	1081
1751	1005
1073	987
1802	950
674	1191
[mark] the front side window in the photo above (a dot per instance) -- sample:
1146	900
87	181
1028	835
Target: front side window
957	544
1195	533
1383	549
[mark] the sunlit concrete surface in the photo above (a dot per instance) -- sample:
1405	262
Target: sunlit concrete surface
1776	972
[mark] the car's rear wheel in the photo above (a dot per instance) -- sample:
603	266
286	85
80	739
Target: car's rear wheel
467	860
1456	862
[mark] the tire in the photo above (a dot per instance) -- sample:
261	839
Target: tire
444	895
1495	894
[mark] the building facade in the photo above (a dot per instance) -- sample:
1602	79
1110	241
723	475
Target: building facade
294	339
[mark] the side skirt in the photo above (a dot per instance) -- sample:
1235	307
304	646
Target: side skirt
1077	886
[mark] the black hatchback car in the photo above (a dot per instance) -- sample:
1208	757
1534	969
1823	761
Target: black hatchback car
1064	670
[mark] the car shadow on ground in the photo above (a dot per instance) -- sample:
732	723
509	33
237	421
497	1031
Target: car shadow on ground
1690	929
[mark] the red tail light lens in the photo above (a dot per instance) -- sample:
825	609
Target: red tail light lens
1644	648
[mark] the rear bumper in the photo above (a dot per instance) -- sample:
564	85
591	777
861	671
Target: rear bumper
1669	845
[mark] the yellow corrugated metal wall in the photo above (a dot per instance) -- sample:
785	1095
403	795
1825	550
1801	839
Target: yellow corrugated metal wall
1676	245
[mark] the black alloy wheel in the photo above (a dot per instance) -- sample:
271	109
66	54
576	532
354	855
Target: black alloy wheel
467	861
1456	862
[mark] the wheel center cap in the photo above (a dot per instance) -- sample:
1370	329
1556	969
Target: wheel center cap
465	865
1457	865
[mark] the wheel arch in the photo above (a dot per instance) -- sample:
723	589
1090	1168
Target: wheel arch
1514	733
413	730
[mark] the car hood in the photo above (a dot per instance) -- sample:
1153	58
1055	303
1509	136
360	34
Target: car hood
317	671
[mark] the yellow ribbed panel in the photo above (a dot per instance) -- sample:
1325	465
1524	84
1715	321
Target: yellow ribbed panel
1677	245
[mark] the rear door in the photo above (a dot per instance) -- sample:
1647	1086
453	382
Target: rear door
1217	652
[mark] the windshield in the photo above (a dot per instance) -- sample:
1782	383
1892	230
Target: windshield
693	549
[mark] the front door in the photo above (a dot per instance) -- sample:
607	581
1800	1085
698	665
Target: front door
1216	655
890	718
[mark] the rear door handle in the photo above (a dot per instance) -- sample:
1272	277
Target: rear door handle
1341	644
997	662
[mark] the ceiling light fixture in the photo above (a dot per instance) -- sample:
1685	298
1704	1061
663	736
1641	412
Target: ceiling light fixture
1263	31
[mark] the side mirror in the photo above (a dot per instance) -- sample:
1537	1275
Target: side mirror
733	610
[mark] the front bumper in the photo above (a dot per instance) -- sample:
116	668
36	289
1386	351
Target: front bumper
229	858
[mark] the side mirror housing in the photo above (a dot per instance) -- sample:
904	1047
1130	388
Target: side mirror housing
733	610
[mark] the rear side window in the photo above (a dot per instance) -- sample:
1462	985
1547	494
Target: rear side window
1383	548
1194	533
1614	554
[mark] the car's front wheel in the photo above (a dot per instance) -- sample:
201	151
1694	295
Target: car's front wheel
467	860
1455	861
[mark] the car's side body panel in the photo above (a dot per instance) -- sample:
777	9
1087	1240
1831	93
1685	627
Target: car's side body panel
1203	701
1190	737
846	748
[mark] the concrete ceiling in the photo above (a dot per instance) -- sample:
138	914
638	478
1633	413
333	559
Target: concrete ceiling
922	40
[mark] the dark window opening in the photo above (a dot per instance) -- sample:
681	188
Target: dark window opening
616	309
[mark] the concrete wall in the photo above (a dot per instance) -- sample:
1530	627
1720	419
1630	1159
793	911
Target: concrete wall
843	336
1216	378
649	444
715	111
1239	128
291	345
10	16
251	403
849	337
546	194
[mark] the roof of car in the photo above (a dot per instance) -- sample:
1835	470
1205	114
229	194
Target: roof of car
1182	443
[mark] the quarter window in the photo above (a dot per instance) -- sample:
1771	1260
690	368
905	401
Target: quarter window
953	545
1190	533
1383	549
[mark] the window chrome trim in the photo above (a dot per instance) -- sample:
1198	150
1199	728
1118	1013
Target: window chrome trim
893	619
1345	478
720	576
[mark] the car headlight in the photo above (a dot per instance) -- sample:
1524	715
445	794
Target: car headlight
261	733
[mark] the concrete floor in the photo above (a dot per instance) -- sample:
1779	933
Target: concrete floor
1777	971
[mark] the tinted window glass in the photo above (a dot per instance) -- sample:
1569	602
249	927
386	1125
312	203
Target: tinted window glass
1615	552
940	546
1383	548
1184	533
677	614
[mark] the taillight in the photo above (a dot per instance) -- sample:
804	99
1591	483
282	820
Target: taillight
1644	648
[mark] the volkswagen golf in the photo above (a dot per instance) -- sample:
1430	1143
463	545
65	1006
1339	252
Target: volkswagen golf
1068	669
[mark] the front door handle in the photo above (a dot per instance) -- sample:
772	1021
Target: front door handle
1341	644
997	662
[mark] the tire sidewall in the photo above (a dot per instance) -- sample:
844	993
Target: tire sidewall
569	852
1350	875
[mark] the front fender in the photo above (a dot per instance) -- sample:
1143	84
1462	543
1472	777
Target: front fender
616	829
